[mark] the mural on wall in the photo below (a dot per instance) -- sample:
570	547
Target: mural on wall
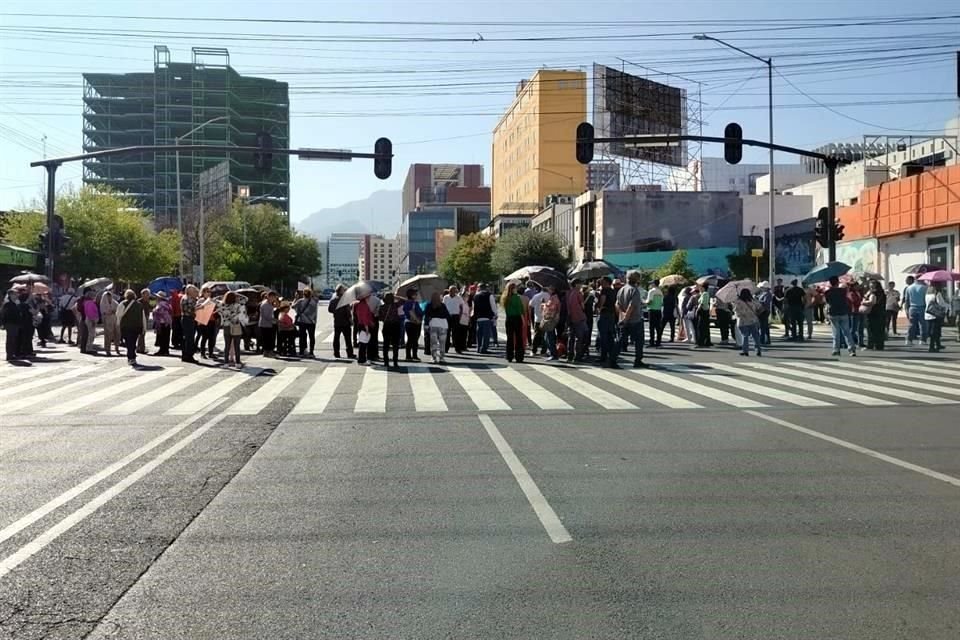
861	255
796	247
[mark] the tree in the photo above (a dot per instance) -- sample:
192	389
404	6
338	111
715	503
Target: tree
109	235
525	247
469	260
677	264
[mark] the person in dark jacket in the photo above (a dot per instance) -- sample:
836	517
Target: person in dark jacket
130	313
670	302
342	320
14	308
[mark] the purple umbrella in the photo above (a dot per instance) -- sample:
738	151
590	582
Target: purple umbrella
939	276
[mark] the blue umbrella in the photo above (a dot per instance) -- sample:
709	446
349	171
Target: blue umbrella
167	284
824	272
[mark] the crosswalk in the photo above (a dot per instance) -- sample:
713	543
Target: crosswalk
336	389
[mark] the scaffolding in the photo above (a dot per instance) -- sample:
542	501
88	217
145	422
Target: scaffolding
201	102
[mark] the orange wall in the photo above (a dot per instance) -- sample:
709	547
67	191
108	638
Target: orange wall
926	201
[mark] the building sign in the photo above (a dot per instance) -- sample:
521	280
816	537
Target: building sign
18	257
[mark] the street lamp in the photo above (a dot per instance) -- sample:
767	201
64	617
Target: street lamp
772	192
176	143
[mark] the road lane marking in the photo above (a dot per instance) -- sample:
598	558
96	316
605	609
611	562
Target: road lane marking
65	497
65	391
12	561
920	367
533	391
485	398
858	373
12	372
831	382
222	388
106	392
930	473
258	400
760	390
645	390
33	384
426	394
321	392
328	339
591	392
548	517
689	385
171	388
372	397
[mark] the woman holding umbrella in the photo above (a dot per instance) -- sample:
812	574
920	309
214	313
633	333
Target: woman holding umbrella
935	313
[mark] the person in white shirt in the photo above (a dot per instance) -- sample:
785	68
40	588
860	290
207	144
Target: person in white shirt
893	307
935	313
536	306
456	334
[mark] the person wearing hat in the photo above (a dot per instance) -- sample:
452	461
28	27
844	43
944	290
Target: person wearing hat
162	324
765	300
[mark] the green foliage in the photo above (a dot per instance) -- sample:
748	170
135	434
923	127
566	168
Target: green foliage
524	247
469	260
677	264
109	237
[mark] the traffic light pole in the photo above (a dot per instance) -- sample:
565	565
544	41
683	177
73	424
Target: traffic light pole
51	211
831	209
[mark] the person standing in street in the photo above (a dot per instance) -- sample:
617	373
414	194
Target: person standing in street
391	322
550	320
630	306
12	322
915	303
765	298
176	327
145	305
893	308
188	323
437	318
306	309
671	304
703	317
111	329
935	312
724	315
342	319
514	310
231	311
875	307
267	323
810	309
607	324
746	310
577	334
779	292
838	308
91	314
68	315
454	304
413	319
655	314
484	312
131	317
795	299
162	323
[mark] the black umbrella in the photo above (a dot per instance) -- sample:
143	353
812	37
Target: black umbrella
547	277
29	278
917	269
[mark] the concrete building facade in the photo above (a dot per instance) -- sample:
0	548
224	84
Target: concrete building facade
533	151
379	258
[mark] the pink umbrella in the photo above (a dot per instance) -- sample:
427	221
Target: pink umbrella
939	276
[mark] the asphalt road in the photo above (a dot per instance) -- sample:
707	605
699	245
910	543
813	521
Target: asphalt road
275	503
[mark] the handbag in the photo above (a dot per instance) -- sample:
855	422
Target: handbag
935	309
236	329
363	337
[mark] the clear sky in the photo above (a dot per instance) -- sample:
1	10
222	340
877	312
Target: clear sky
437	89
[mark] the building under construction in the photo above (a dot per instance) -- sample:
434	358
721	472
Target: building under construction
201	102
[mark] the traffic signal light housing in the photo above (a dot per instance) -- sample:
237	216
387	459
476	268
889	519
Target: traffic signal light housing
733	145
821	229
837	232
263	158
42	237
585	143
383	163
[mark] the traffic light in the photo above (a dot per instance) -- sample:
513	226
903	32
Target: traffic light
61	242
43	241
263	158
733	145
584	143
821	228
837	232
383	163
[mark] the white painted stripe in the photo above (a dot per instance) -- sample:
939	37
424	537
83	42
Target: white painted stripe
545	513
259	399
533	391
93	397
831	392
651	393
63	392
321	392
918	365
943	364
485	398
896	378
222	388
931	376
65	497
328	339
903	464
426	394
372	397
11	373
12	561
761	390
63	375
690	386
589	391
171	388
835	381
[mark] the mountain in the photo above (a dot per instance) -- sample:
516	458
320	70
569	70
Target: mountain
378	213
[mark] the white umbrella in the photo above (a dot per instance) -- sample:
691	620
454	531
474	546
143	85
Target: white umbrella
672	279
97	284
425	283
359	291
730	291
525	272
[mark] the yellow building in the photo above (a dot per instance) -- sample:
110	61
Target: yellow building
534	143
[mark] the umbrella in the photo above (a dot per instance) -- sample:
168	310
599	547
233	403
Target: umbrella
525	272
97	284
672	279
824	272
731	291
940	276
866	275
167	284
28	278
921	268
425	283
548	277
41	288
248	292
594	269
709	280
359	291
